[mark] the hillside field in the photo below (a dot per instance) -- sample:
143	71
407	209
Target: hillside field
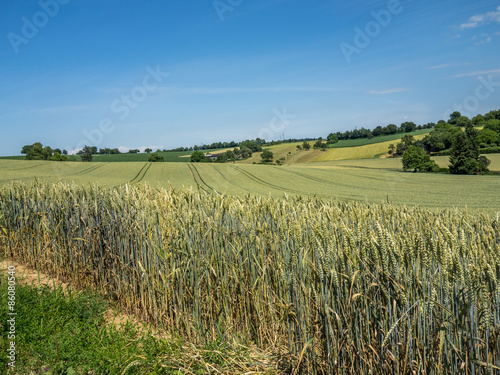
367	180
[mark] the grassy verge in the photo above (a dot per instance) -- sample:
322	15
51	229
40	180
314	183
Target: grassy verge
61	332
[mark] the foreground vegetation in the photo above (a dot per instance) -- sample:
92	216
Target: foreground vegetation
68	332
340	287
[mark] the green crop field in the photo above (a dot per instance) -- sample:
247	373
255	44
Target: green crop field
360	152
379	139
371	180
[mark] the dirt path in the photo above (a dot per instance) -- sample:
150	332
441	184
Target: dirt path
29	276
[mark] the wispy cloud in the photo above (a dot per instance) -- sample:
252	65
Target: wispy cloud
388	91
477	73
65	108
482	19
233	90
450	65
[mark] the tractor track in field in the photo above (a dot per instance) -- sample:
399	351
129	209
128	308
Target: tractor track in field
24	168
138	178
194	173
202	180
267	184
317	179
142	173
88	170
231	182
195	180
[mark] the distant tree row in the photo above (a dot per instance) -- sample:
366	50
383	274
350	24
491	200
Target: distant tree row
405	127
36	151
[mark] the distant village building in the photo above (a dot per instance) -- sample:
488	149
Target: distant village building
212	157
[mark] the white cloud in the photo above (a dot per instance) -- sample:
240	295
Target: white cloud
477	73
482	19
75	151
389	91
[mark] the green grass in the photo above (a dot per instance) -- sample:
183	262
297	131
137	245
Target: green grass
66	333
382	138
167	156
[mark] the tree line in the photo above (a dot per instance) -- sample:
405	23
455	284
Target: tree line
457	138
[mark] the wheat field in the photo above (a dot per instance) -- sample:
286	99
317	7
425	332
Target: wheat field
335	287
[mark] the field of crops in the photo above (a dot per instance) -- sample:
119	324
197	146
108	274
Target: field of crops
374	181
383	138
342	287
360	152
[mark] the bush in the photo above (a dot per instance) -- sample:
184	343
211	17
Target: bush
154	157
197	157
490	150
267	156
415	158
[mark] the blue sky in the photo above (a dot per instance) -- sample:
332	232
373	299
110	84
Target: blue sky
177	73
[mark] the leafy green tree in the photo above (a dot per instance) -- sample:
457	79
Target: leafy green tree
415	158
488	136
478	120
221	158
392	148
267	156
454	117
408	139
58	157
306	145
441	138
391	129
401	147
148	150
36	152
379	131
331	139
245	152
26	148
483	162
197	157
299	147
254	146
154	158
230	155
493	124
318	144
65	152
86	154
408	126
